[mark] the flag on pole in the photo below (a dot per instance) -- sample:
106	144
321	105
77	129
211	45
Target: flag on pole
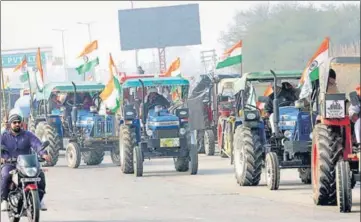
232	56
174	69
90	59
312	70
23	65
39	73
111	93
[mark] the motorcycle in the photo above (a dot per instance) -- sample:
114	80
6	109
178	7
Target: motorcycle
23	199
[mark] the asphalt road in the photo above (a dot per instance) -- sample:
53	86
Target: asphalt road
103	194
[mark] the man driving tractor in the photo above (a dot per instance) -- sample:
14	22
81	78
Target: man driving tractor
286	95
154	98
354	112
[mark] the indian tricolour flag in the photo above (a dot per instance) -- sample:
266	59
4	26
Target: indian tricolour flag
312	70
23	65
39	73
111	93
174	69
89	57
232	56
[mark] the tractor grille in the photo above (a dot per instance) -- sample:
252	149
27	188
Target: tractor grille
166	133
104	126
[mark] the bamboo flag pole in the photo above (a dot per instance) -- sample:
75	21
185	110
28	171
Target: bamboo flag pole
3	92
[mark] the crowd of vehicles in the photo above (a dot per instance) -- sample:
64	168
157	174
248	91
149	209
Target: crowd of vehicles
315	136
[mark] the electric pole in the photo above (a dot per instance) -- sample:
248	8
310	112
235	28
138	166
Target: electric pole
64	62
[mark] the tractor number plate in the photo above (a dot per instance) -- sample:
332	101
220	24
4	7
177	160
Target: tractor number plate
287	123
169	142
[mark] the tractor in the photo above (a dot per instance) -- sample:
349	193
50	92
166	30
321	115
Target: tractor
206	91
288	147
86	131
152	131
335	158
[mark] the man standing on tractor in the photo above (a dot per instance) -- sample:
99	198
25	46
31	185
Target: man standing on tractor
354	112
18	141
332	86
286	95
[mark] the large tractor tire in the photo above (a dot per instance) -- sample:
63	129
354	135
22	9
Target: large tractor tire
193	162
45	132
247	156
272	171
200	141
127	142
93	157
115	155
343	185
305	175
138	161
324	146
181	164
209	143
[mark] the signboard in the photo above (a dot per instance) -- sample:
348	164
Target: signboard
335	109
12	60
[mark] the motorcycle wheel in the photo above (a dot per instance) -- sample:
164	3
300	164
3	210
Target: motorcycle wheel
33	211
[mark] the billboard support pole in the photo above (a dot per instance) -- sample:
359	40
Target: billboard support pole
162	60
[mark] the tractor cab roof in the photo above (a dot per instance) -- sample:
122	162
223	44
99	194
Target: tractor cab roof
68	87
124	77
164	81
267	76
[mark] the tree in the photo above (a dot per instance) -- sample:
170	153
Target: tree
285	36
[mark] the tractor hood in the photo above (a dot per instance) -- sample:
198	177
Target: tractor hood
288	117
163	119
96	125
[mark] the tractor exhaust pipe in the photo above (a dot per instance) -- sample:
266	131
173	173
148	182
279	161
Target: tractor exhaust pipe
74	110
143	107
276	112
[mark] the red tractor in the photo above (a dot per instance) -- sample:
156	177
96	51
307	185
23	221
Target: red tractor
334	161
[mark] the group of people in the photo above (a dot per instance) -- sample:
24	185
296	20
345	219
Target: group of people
57	101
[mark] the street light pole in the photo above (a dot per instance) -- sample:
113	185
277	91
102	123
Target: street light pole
63	42
136	51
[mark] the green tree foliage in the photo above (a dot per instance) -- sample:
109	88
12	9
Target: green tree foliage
284	36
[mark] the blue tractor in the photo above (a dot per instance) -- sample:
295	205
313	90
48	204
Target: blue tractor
254	146
84	130
154	131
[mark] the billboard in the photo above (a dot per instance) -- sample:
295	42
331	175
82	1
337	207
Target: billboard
159	27
12	60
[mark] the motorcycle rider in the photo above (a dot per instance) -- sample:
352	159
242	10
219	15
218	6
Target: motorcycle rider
285	93
18	142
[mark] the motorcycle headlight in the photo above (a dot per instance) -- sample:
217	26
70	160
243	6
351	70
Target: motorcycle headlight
31	171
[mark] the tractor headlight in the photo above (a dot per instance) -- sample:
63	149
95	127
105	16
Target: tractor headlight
311	136
149	132
287	134
129	113
251	115
182	131
93	109
157	108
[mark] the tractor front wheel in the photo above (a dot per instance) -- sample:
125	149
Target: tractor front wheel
127	142
272	171
93	157
209	142
73	155
343	186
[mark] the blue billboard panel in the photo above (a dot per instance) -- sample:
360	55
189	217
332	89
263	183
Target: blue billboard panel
159	27
12	60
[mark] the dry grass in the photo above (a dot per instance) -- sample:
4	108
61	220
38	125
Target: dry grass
348	75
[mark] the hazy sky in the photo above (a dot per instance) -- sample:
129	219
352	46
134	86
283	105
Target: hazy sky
30	24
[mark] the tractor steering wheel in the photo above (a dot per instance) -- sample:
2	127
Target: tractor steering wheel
72	103
287	103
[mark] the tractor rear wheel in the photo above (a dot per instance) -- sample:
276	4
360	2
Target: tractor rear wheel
305	175
343	184
209	142
45	132
127	142
324	146
247	156
93	157
115	155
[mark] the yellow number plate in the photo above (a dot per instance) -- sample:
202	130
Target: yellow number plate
169	142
